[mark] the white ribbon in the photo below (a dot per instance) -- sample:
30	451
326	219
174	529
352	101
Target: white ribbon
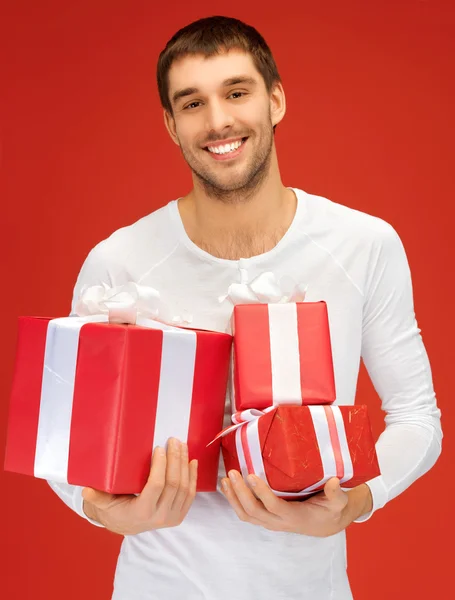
264	289
126	303
61	354
285	354
57	389
249	419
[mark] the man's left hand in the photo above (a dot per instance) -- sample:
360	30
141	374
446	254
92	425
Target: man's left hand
321	515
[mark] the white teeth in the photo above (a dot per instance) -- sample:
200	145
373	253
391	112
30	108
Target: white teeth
226	148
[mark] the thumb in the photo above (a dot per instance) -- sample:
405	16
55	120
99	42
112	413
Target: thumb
333	490
97	498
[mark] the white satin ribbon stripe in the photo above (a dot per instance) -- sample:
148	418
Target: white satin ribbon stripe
175	392
57	389
343	441
61	354
285	354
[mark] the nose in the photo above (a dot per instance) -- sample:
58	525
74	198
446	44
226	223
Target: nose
218	117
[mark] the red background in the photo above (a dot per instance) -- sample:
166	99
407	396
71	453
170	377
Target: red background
370	90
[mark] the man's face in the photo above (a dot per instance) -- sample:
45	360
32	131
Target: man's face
222	120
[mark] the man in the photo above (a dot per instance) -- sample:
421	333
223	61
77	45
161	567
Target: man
222	99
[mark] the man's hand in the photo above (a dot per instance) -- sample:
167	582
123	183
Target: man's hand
164	501
321	515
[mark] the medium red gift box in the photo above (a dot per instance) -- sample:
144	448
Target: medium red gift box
90	400
282	355
296	449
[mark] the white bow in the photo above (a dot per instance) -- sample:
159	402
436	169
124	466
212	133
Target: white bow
125	303
265	289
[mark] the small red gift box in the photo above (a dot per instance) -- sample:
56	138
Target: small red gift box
90	400
296	449
282	355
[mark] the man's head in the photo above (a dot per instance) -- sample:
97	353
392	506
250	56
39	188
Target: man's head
218	83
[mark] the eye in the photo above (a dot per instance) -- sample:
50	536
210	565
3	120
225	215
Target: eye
191	104
237	94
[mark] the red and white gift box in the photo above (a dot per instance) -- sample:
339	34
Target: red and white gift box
282	355
296	449
91	399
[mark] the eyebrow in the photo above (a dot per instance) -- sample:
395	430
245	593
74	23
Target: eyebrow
226	83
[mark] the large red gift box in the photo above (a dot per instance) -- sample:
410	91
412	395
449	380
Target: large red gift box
90	400
282	355
296	449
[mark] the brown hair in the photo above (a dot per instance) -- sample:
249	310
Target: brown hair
210	36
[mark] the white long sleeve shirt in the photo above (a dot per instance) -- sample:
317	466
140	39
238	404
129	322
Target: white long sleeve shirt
357	264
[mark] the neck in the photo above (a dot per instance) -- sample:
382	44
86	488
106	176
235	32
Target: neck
245	226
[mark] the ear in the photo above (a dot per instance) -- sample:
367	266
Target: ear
169	121
277	103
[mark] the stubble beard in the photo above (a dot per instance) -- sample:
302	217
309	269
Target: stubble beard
250	181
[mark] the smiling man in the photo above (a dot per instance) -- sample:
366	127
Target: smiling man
222	99
222	112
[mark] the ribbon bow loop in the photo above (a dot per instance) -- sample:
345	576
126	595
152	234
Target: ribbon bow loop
264	289
126	304
240	418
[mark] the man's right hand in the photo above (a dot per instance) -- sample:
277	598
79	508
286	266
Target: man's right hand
164	501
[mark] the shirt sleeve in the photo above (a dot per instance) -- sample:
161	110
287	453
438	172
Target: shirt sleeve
397	363
72	497
95	271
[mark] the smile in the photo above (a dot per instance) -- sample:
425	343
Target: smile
225	151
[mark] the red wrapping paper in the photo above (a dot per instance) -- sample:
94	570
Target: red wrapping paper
282	354
291	454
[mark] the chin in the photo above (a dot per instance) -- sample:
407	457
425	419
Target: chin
229	186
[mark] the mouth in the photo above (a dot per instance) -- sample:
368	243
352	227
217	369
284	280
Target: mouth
226	151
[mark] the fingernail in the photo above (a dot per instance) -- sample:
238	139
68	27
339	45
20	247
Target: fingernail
224	485
252	479
233	476
160	451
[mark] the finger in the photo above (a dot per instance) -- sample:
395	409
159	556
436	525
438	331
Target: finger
231	496
272	503
182	492
242	500
156	480
333	491
252	505
172	483
193	466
